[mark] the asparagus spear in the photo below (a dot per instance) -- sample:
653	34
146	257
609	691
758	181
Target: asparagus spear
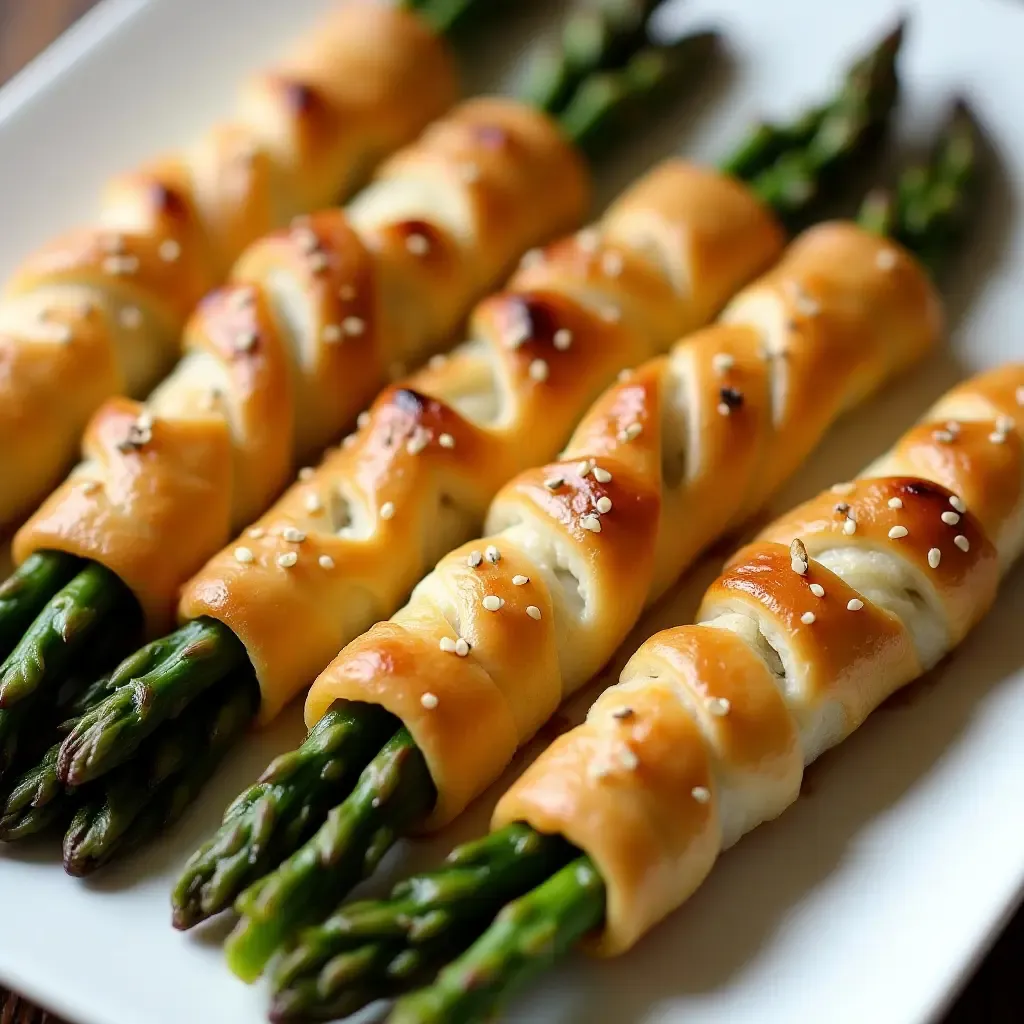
860	106
546	920
24	594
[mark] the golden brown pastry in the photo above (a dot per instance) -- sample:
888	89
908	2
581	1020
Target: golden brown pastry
346	545
833	608
280	361
100	312
666	461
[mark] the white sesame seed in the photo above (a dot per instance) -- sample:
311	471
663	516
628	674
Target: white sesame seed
953	427
628	759
612	263
602	476
287	560
539	370
446	441
588	239
817	590
843	488
943	436
701	794
590	522
429	701
562	339
363	420
623	375
349	441
492	554
246	341
520	580
354	326
950	518
533	611
417	442
798	560
724	409
313	503
461	647
418	245
604	504
631	433
475	558
895	503
169	250
1004	424
849	527
962	542
719	706
332	334
347	292
807	618
131	318
492	603
292	535
934	557
855	604
554	482
447	645
898	532
244	555
307	473
722	362
326	562
958	503
387	510
885	259
584	467
257	532
996	438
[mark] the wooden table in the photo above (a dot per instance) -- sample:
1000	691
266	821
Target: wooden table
996	993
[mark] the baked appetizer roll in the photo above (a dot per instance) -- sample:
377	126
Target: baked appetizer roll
100	311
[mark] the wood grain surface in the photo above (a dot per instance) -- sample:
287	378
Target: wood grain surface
995	995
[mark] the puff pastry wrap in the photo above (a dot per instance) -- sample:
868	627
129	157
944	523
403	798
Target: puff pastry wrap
418	476
663	463
278	363
100	311
707	733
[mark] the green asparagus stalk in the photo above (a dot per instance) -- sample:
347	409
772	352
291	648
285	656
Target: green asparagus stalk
24	594
278	814
146	794
548	919
36	800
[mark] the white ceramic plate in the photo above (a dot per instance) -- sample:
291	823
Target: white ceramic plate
869	900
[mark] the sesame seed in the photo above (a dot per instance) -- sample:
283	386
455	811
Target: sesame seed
246	341
943	436
701	794
843	488
623	713
447	645
623	375
244	555
292	535
461	647
849	527
418	245
817	590
962	542
807	618
446	441
885	259
612	263
895	503
363	420
629	760
950	518
588	239
953	427
554	482
354	326
958	503
602	476
798	559
898	532
492	603
539	370
169	250
562	339
590	522
307	473
474	559
533	611
417	442
719	706
584	467
997	438
313	503
387	510
934	557
723	409
520	580
347	292
287	560
631	433
429	701
348	441
722	362
492	554
257	532
326	562
604	504
332	334
855	604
